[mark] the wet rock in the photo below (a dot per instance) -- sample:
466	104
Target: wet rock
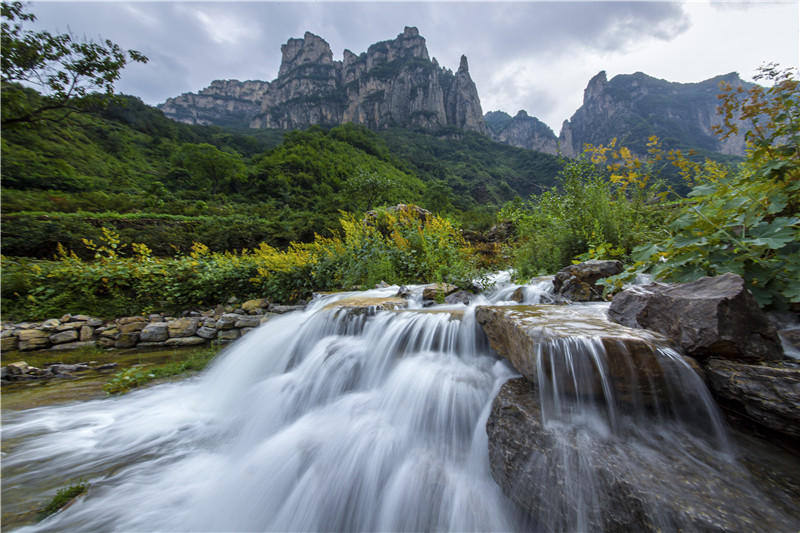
460	297
767	395
107	366
361	305
579	282
438	290
50	325
183	327
403	292
590	355
155	332
710	317
69	326
64	336
571	478
15	369
33	339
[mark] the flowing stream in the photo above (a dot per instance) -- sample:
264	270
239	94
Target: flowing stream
324	420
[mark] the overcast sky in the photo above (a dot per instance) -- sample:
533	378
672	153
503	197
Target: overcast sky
536	56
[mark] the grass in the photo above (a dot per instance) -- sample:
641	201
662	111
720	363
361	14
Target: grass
63	497
134	377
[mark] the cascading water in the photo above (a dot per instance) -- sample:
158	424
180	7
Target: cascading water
326	420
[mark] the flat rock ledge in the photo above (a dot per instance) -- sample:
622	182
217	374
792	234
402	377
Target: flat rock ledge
536	338
570	479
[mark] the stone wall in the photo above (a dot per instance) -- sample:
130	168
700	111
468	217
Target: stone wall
219	325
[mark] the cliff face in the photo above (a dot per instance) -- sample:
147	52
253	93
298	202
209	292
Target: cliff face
224	102
522	131
633	107
394	83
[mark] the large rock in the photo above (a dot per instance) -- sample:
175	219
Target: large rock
438	291
183	327
579	282
710	317
584	354
252	306
765	395
64	336
363	305
33	339
154	332
571	477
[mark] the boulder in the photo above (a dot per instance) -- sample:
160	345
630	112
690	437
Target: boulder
710	317
767	395
130	320
571	477
69	326
403	292
438	290
154	332
67	369
33	339
460	297
15	369
579	282
64	336
132	327
182	327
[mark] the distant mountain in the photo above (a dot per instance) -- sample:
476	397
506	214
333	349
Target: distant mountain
632	107
522	131
394	84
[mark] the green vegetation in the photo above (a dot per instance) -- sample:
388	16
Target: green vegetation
71	76
63	497
394	246
743	219
136	376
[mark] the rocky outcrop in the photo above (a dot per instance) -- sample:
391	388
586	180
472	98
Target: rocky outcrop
223	103
765	395
579	282
569	478
522	131
710	317
394	83
632	107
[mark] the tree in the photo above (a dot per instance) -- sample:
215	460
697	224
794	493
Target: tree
367	189
68	76
210	166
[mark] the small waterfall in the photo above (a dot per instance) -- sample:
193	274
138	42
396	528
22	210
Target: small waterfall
330	420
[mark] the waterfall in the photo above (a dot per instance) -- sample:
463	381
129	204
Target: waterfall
323	420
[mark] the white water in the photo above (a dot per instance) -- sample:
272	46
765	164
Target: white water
312	422
317	421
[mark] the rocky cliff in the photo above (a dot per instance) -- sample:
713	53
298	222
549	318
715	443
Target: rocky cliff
633	107
522	131
393	83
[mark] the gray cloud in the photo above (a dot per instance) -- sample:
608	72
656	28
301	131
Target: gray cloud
192	43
